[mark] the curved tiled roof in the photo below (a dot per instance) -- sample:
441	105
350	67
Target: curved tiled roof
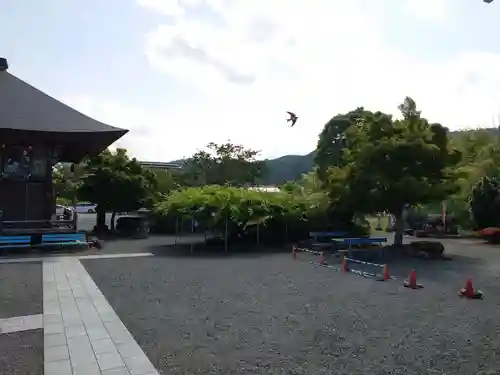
25	110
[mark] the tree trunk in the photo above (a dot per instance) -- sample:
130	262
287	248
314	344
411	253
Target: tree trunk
101	220
225	237
113	216
258	234
399	228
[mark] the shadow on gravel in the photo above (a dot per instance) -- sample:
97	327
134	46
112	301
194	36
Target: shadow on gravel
200	251
434	270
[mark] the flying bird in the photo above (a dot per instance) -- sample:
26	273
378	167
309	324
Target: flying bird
293	118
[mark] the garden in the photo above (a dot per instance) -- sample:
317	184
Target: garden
365	163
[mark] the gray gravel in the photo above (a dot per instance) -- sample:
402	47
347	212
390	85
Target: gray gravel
21	353
270	315
20	289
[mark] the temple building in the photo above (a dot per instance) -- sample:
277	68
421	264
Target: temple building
36	132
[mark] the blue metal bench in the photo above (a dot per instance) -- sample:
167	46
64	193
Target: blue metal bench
337	234
60	239
15	241
364	241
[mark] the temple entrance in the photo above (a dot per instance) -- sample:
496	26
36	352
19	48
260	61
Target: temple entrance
24	183
22	201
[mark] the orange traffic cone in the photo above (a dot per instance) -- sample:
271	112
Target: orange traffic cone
294	252
345	265
412	281
321	258
469	292
385	273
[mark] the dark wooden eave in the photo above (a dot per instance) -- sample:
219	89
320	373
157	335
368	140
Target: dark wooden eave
27	115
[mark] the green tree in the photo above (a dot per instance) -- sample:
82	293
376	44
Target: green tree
291	187
224	164
333	140
66	179
115	183
169	180
388	164
485	202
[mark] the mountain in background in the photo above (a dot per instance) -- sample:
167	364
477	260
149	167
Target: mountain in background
287	168
291	167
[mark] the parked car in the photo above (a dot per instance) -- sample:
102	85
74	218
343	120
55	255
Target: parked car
59	210
85	207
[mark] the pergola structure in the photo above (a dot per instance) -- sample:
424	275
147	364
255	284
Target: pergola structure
36	132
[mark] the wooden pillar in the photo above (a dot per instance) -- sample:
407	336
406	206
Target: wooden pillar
50	196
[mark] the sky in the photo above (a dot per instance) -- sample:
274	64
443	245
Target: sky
182	73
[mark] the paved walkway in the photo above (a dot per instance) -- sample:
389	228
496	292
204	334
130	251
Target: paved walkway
21	323
82	333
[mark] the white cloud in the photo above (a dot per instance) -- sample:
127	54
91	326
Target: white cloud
250	61
435	10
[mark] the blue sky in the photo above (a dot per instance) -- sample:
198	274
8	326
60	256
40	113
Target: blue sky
180	74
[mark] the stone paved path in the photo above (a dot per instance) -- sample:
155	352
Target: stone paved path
82	333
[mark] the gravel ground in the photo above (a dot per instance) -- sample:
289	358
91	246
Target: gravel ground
270	315
21	353
20	289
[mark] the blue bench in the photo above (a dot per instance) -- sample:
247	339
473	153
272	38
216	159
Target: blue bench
337	234
15	241
60	239
364	241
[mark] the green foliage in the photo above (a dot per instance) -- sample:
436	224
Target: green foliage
291	167
333	141
278	214
168	181
386	163
485	202
115	183
66	180
291	187
224	164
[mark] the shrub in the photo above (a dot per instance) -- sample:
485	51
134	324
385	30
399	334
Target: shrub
277	215
485	202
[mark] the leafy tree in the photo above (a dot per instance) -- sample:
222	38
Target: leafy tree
485	202
66	179
291	187
224	164
115	183
333	140
169	180
388	164
310	183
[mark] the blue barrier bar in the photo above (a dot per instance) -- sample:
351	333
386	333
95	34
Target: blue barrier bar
15	239
15	242
363	241
327	234
59	235
61	238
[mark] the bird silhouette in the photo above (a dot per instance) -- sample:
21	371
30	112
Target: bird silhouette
293	118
